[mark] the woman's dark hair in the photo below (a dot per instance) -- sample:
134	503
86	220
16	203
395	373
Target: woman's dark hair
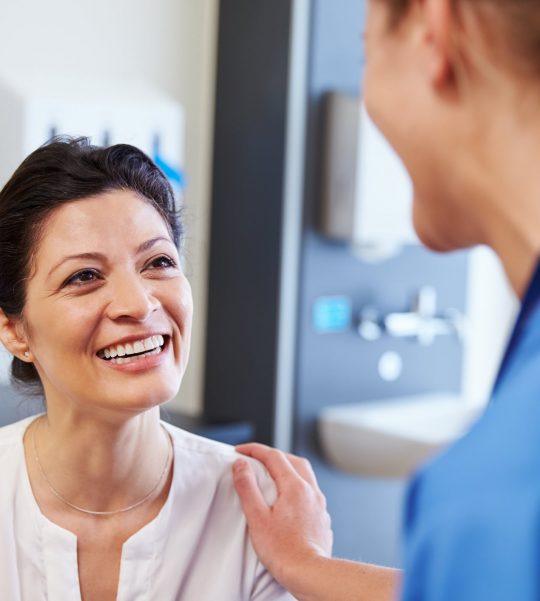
61	171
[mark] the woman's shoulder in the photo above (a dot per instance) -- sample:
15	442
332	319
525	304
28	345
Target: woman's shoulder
187	442
214	460
11	461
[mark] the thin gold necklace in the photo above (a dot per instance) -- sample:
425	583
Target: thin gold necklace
101	513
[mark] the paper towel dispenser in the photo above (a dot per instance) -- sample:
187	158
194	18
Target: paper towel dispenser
35	106
366	191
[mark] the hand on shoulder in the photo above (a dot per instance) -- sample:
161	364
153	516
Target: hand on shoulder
295	531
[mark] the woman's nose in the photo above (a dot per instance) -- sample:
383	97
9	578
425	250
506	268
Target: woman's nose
131	298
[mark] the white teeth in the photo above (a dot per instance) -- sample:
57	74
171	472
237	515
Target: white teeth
124	360
140	346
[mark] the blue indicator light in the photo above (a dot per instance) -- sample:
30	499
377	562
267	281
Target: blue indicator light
332	314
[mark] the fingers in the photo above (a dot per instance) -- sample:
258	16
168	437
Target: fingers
303	467
281	466
251	498
278	466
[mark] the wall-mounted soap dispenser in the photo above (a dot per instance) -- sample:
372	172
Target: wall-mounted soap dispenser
366	191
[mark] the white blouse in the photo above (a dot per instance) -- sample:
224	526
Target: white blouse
196	549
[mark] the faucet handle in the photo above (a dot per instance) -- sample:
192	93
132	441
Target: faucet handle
425	303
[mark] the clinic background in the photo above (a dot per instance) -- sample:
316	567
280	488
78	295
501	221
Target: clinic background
291	341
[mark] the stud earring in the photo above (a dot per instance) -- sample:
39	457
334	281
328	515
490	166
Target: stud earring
26	354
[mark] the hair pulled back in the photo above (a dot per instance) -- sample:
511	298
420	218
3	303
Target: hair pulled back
519	22
62	171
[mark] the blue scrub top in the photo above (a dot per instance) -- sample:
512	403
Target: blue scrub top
472	520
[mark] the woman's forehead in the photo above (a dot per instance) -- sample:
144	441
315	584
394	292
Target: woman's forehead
112	218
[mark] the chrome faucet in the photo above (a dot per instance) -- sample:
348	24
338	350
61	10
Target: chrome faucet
420	324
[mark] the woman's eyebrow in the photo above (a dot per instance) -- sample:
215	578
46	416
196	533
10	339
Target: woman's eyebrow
149	243
96	256
101	257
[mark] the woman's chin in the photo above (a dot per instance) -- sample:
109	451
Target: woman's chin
441	242
141	400
432	242
435	236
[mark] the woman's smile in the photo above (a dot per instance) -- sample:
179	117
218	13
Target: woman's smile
133	347
137	355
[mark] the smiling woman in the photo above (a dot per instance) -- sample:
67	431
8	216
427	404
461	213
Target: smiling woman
99	498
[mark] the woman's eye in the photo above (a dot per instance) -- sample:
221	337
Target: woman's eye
82	277
162	262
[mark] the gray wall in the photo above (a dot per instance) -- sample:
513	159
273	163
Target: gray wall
245	236
15	406
248	205
341	368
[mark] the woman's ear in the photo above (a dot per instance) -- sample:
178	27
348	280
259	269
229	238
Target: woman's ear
12	336
439	23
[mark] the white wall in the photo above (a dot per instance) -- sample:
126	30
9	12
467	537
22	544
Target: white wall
170	43
492	310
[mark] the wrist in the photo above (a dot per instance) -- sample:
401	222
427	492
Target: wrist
306	578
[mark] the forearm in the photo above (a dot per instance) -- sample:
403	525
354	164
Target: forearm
340	580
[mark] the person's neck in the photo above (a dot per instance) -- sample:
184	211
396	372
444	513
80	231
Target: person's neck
502	177
518	248
512	227
100	464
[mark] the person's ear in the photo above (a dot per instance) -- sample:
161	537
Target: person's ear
439	24
12	336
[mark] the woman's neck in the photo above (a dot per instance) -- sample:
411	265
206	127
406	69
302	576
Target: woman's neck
98	464
500	171
511	225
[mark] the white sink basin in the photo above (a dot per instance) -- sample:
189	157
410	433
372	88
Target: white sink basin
392	437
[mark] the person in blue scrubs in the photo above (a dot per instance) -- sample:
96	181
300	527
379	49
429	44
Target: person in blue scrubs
455	87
